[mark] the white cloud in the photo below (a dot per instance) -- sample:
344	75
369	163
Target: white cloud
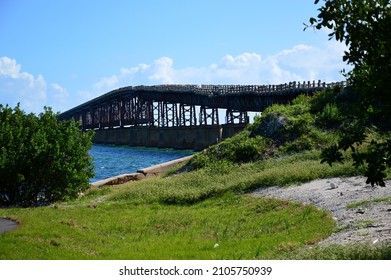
162	71
31	92
313	63
244	60
106	83
299	63
58	97
8	67
23	87
59	89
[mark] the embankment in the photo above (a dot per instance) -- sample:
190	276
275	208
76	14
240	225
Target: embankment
141	173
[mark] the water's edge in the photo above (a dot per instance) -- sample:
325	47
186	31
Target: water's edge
110	161
141	174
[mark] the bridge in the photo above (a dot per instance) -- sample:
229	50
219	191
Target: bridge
180	116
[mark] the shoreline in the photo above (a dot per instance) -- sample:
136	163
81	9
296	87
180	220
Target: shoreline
140	174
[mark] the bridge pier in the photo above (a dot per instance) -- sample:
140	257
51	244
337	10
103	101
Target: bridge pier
189	137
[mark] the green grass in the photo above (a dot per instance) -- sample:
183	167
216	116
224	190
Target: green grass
220	178
368	202
180	217
340	252
243	226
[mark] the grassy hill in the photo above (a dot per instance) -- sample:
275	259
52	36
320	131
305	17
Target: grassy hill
203	210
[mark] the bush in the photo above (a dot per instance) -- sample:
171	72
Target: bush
330	116
237	149
327	96
285	123
42	160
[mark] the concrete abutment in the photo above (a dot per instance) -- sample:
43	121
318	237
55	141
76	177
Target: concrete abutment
185	137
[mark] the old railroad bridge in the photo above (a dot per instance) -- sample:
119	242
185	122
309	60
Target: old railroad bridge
180	116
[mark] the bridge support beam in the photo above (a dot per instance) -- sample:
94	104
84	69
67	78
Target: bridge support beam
209	116
187	115
239	117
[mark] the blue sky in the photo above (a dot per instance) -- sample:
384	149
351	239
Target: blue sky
63	53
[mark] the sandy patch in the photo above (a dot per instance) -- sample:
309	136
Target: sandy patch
369	223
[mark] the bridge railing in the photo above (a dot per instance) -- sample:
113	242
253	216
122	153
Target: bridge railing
237	89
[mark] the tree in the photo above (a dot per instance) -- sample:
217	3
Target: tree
364	26
42	159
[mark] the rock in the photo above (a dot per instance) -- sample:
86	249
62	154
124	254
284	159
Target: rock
272	125
360	211
7	225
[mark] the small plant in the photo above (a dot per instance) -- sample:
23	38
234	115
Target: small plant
368	202
330	116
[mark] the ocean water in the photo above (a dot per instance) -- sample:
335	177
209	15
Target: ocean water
110	160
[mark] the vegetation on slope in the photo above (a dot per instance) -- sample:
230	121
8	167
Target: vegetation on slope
204	213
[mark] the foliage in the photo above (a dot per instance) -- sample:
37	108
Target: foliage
238	149
364	27
304	124
41	159
330	116
282	128
328	96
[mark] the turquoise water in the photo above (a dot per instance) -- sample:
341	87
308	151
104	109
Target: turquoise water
110	161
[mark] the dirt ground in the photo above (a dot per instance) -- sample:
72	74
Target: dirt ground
366	223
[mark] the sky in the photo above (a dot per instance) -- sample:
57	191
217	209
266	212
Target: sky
63	53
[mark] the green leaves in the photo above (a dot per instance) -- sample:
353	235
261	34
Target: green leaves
331	154
364	27
42	160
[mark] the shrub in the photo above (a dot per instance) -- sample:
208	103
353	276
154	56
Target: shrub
237	149
329	116
327	96
285	123
42	160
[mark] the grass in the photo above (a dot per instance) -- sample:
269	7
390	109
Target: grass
218	179
368	202
339	252
178	217
243	226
